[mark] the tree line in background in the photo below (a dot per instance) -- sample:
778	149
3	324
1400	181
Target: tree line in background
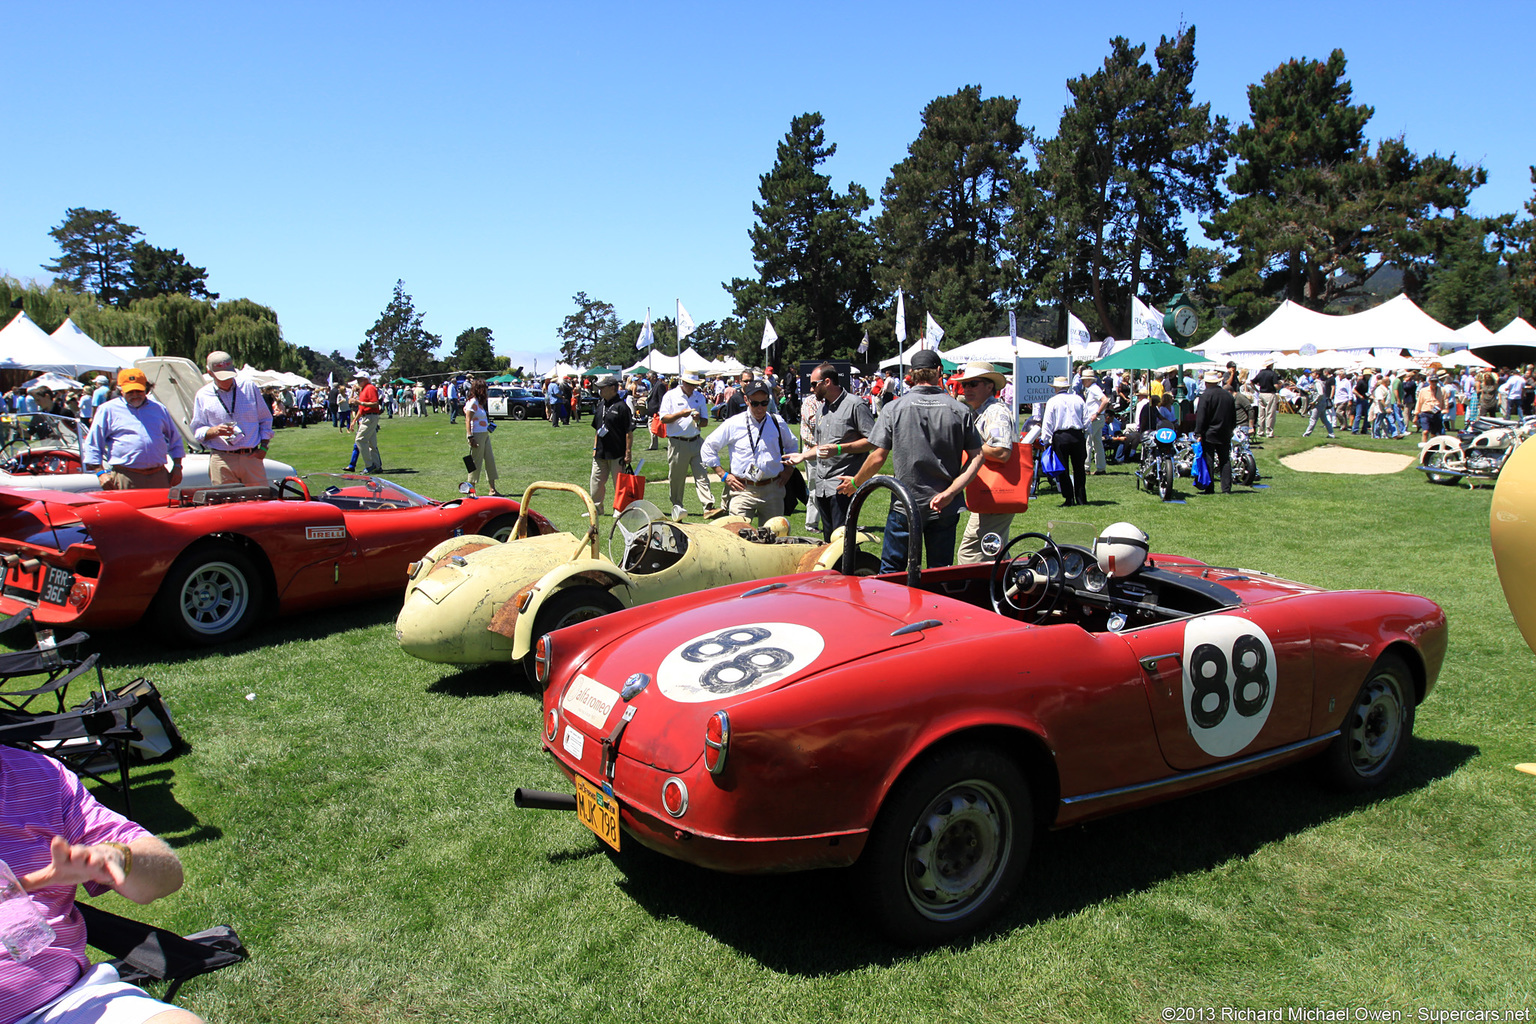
983	216
1299	205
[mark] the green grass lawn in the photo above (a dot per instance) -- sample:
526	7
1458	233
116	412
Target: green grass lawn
349	810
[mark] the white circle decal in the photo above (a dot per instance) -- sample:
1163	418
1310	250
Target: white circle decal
1229	682
736	660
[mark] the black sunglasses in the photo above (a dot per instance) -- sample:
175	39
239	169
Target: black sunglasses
758	405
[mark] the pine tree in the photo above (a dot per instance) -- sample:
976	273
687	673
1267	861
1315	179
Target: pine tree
397	340
97	252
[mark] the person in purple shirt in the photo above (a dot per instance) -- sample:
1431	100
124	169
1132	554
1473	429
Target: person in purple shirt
130	439
56	837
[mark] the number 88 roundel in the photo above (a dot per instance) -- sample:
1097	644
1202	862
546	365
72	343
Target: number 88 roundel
1229	682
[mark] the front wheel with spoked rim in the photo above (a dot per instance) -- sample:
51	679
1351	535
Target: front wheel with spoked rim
210	596
949	846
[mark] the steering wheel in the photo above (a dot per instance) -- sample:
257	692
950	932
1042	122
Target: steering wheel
292	485
1009	575
630	526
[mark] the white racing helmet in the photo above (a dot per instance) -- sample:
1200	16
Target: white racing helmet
1121	549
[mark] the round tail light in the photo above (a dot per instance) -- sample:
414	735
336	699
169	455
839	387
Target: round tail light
674	796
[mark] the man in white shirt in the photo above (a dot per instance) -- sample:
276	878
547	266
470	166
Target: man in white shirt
1095	401
1061	428
233	421
756	442
685	411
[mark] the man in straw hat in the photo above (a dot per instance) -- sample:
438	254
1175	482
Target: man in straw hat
1062	429
684	410
928	431
994	423
1215	419
1096	402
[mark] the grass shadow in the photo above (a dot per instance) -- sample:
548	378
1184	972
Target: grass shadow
484	681
156	808
810	924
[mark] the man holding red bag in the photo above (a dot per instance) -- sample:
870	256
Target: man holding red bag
611	449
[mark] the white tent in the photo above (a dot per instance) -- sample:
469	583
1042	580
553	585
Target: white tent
997	350
70	334
1396	324
905	359
729	365
1466	357
130	354
24	345
1217	344
1516	332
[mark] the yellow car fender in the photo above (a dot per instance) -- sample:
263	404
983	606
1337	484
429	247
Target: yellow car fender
1512	530
519	614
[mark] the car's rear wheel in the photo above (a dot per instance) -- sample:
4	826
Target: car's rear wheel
949	845
519	412
567	608
500	528
210	596
1376	730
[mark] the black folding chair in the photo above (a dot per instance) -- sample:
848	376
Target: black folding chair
147	954
54	661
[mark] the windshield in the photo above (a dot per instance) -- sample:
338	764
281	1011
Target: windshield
357	490
25	430
1064	531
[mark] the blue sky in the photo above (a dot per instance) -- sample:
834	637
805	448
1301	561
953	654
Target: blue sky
499	158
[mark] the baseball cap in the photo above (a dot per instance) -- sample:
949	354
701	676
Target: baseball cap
926	359
132	379
221	366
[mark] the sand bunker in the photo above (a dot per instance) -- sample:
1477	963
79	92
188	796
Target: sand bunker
1332	458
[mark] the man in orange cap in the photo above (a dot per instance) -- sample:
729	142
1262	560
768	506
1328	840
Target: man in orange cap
131	437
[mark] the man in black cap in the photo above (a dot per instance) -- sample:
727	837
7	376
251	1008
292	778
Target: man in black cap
612	448
928	431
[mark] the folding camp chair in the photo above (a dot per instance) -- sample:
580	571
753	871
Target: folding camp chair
90	739
145	953
54	661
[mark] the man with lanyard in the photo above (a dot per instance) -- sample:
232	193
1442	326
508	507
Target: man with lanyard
367	437
994	422
843	425
928	432
232	420
1095	400
1062	428
611	449
130	439
684	411
1268	385
758	442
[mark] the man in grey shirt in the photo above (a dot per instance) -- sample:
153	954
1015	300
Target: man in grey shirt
927	430
843	424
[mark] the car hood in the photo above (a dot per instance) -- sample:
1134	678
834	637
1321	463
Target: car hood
730	645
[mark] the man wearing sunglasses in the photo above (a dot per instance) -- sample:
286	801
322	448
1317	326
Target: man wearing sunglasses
757	442
994	422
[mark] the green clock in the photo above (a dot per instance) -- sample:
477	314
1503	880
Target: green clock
1181	319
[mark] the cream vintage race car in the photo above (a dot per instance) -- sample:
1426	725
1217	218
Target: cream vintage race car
472	600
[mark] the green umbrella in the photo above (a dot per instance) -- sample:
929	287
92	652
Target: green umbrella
505	378
1150	354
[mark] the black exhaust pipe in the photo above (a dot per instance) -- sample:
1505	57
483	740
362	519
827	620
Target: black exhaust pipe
539	800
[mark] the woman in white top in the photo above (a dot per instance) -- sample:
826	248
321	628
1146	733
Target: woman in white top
477	430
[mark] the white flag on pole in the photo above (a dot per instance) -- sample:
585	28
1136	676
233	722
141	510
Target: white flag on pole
1078	338
1146	322
684	324
934	334
1013	330
769	334
864	345
647	336
901	320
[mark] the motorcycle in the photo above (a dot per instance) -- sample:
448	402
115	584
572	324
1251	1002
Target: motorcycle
1245	468
1157	462
1477	453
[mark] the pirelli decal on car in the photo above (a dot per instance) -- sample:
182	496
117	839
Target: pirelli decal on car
325	532
737	660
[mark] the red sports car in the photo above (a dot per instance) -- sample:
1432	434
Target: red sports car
922	727
204	563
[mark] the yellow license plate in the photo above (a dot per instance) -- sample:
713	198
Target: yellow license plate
598	811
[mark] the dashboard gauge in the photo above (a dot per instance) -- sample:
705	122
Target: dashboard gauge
1046	561
1094	579
1071	564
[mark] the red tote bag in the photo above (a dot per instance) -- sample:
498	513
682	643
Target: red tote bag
1003	488
627	488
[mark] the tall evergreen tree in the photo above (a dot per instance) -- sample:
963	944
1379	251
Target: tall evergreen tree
473	350
397	341
155	271
1465	281
813	254
97	252
943	230
1133	154
1519	240
593	323
1316	214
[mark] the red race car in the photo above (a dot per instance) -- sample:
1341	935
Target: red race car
923	727
204	563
